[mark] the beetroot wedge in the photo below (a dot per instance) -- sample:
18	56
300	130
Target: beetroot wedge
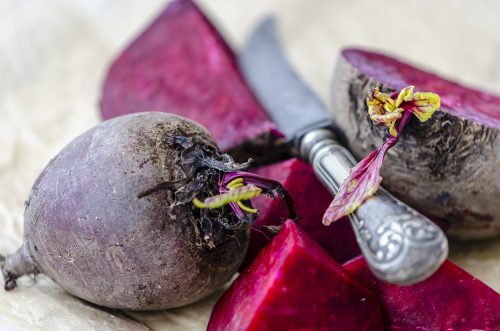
451	299
311	200
180	64
443	166
295	285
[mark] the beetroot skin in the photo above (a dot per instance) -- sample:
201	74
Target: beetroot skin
110	219
451	299
295	285
444	166
182	65
311	199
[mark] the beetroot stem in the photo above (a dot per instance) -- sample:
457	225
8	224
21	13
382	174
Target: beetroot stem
268	186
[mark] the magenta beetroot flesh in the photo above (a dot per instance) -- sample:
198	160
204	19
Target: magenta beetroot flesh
295	285
451	299
311	199
456	99
182	65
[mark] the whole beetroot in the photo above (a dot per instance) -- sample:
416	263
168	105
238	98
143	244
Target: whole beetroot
111	220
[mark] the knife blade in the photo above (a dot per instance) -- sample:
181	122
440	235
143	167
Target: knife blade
400	245
279	88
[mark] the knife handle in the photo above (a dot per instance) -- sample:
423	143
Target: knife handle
400	245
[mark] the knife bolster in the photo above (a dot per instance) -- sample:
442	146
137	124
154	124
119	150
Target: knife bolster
331	161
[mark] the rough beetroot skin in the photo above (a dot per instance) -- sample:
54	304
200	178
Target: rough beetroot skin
182	65
90	226
295	285
451	299
443	167
311	199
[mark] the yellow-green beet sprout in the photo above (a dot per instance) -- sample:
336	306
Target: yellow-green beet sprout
237	193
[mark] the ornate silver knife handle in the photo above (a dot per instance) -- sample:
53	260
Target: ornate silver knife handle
400	245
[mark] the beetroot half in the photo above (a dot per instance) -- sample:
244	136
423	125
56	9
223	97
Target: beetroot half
444	166
182	65
311	199
451	299
295	285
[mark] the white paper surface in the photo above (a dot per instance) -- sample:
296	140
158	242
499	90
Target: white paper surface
54	55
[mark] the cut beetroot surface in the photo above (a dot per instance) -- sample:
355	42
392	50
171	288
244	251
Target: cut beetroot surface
180	64
456	99
311	199
451	299
295	285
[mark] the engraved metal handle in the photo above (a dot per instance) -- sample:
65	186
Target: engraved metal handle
400	245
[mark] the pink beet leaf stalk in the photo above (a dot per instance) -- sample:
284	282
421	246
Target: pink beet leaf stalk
238	186
394	111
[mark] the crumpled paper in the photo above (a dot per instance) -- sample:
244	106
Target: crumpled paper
54	55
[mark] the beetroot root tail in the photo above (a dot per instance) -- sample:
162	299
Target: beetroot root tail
9	278
16	265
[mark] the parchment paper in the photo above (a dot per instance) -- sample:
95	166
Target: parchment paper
54	54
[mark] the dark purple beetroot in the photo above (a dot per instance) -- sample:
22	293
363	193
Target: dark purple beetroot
110	219
444	166
451	299
311	199
181	64
295	285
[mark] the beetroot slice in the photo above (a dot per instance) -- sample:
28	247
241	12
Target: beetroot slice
295	285
311	200
180	64
443	166
456	99
451	299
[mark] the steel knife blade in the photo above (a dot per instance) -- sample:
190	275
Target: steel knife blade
400	245
293	106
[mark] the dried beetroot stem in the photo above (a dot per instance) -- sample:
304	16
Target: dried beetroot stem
16	265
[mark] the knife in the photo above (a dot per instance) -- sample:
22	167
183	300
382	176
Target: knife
400	245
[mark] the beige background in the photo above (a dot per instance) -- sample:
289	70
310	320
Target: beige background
54	54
